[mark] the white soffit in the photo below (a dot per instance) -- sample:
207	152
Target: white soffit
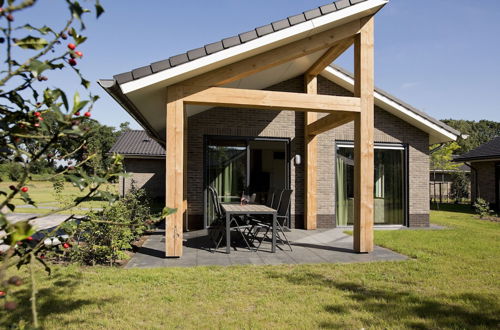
437	133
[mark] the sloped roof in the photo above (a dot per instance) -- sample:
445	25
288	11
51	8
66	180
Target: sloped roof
137	143
489	150
233	41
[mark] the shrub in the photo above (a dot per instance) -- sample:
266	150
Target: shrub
105	236
11	171
482	208
460	186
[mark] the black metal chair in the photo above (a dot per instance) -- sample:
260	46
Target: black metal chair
281	220
255	222
217	229
218	226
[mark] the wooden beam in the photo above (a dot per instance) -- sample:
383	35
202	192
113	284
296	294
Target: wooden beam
175	171
363	141
268	100
330	122
311	160
331	55
275	57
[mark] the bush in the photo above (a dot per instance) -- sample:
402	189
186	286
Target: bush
105	236
11	171
459	186
482	208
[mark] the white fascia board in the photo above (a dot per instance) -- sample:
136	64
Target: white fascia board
348	83
256	46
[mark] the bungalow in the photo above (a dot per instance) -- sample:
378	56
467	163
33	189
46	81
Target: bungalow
266	109
485	164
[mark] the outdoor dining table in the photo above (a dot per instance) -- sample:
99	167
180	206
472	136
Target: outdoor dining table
232	209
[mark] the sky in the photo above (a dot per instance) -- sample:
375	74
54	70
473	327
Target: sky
441	56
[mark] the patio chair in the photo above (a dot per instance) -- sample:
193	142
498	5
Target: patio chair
281	220
219	224
255	222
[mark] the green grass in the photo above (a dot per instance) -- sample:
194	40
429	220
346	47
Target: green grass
451	281
43	194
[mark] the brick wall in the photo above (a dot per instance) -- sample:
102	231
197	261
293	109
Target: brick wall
483	181
145	173
288	124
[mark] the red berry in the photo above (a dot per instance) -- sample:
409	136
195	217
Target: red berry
40	118
24	189
36	124
42	256
79	53
77	113
2	294
29	238
87	114
66	245
37	114
10	18
72	62
71	46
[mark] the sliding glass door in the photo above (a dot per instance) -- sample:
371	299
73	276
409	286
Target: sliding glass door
389	186
235	165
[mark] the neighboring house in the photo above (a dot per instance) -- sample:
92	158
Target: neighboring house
441	182
144	162
485	176
231	146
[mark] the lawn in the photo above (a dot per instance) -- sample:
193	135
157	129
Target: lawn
451	281
43	194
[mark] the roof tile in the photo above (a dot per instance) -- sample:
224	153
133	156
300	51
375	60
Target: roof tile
160	65
196	53
263	30
297	19
326	9
248	36
137	143
353	2
141	72
341	4
179	59
280	25
123	77
313	13
231	42
214	47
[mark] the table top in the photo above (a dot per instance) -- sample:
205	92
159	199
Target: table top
247	209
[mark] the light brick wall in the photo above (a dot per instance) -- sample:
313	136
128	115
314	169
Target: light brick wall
288	124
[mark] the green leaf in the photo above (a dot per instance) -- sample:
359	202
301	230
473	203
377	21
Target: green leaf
77	181
64	98
19	231
167	211
43	30
31	42
85	83
36	67
99	10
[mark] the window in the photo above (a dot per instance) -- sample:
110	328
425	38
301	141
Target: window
389	184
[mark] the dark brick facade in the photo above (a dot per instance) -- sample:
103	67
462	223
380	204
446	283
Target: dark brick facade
289	124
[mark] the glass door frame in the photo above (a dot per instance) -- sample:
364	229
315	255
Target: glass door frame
247	139
406	172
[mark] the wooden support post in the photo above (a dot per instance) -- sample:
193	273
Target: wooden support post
363	139
311	160
175	171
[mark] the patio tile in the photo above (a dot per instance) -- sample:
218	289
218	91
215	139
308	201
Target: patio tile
319	246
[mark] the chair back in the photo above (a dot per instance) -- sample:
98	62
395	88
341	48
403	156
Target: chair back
276	199
215	200
270	196
285	203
